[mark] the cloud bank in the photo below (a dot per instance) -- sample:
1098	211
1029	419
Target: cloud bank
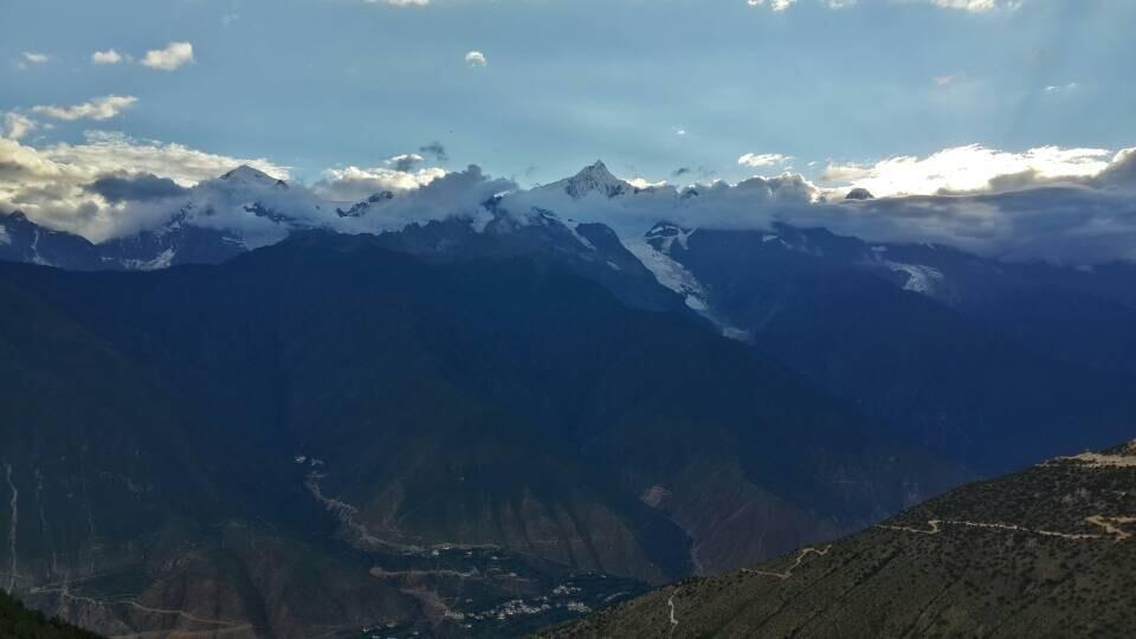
970	169
57	185
1067	205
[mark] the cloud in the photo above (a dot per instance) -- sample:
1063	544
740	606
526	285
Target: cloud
171	58
762	160
978	6
16	126
53	185
400	3
1056	89
968	169
1120	173
405	162
138	187
455	194
1085	218
103	108
1069	205
352	184
775	5
32	57
476	59
110	56
435	150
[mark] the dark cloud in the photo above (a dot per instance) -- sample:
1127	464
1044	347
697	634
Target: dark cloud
436	150
1122	171
701	172
405	162
139	187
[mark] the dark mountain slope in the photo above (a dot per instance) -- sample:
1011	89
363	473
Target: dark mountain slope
1049	552
364	408
17	622
949	350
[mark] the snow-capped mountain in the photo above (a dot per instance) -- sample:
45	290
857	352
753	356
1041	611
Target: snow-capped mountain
591	179
207	223
246	175
466	213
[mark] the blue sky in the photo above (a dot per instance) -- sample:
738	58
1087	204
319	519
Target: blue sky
648	85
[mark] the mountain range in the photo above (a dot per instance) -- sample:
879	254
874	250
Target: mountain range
945	346
272	415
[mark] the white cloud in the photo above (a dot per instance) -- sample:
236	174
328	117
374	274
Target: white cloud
775	5
978	6
476	59
17	125
400	3
32	57
762	160
967	169
110	56
354	183
405	162
171	58
103	108
49	183
644	183
1056	89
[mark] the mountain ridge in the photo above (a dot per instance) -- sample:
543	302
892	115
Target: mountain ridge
1046	551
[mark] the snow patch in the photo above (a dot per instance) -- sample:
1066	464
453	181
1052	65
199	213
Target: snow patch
670	273
920	278
665	236
162	260
571	226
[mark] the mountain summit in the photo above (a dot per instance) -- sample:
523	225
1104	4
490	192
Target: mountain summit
595	178
247	175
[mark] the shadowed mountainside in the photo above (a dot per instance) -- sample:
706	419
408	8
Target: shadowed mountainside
278	443
1047	552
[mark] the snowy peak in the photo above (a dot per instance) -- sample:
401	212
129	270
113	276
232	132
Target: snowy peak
247	175
593	179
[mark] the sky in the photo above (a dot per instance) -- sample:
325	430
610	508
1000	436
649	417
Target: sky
535	89
999	126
